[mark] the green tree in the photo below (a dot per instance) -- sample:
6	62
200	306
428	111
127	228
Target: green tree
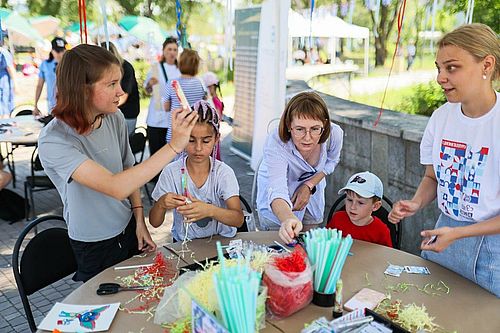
131	7
485	11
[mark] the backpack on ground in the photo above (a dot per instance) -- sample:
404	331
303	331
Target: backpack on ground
12	206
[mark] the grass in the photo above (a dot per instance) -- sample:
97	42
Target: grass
393	98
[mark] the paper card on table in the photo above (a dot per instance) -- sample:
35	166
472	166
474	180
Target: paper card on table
417	270
365	298
79	318
394	270
205	322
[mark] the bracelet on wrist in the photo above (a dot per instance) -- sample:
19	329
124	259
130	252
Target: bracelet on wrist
172	147
135	207
311	187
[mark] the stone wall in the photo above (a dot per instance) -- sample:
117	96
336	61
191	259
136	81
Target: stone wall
390	150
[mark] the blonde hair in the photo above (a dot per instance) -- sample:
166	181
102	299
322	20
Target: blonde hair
477	39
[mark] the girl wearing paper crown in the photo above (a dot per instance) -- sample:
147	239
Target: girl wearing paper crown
202	191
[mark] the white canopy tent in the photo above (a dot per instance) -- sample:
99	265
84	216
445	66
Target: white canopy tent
328	27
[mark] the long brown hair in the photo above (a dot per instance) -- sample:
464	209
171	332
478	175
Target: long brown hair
79	69
168	40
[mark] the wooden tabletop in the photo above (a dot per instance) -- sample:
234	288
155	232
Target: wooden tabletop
467	307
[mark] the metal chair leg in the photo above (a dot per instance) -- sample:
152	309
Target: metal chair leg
26	202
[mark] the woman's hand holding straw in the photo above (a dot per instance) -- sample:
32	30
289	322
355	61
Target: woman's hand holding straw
180	94
183	121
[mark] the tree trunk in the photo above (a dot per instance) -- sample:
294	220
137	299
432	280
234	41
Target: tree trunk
149	9
380	50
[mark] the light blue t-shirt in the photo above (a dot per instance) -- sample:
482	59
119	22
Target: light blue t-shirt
91	216
220	185
48	74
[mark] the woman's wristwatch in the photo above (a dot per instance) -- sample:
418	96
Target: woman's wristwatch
311	187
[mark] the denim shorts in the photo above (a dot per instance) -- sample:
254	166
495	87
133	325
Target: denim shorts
475	258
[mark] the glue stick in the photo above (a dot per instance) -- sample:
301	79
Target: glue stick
337	305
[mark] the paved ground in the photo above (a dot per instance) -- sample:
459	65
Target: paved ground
12	317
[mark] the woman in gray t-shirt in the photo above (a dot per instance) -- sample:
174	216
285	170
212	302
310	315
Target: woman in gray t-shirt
86	153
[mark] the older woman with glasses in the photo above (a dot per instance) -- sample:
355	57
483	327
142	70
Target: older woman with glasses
297	156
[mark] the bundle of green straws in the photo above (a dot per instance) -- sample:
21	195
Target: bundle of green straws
237	288
327	251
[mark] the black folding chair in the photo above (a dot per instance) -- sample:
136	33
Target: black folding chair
137	141
22	110
37	181
382	213
47	258
249	222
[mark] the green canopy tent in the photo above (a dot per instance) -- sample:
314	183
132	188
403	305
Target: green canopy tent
144	29
75	27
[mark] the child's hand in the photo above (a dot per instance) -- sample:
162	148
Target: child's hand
171	201
194	211
301	197
183	121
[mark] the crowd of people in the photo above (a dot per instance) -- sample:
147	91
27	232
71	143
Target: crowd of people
85	151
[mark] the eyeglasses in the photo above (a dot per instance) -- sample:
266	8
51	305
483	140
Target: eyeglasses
301	132
358	179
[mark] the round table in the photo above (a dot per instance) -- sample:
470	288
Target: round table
467	307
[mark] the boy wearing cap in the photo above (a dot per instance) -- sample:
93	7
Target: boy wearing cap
47	74
364	192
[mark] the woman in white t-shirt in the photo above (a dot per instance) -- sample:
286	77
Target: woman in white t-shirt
461	151
156	81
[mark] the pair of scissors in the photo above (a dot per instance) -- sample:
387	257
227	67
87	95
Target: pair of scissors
113	288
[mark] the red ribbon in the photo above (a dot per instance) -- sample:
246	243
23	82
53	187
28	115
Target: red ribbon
401	15
82	15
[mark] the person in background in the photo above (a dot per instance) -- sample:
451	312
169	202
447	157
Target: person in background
189	63
156	82
86	154
7	81
129	102
411	51
202	191
47	74
298	155
460	150
364	192
212	83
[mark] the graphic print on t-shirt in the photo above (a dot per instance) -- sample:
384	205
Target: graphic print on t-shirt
459	176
